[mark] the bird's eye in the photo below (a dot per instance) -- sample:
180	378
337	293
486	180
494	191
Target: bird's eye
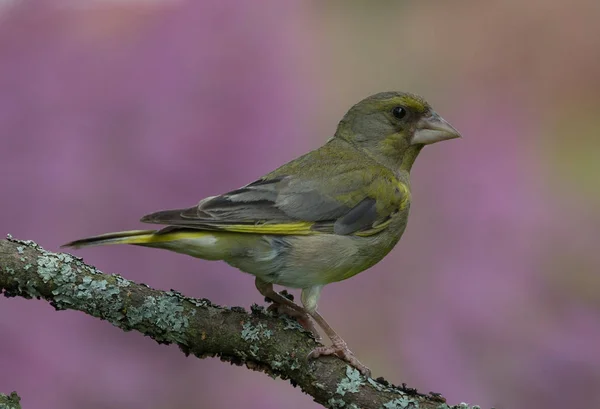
399	112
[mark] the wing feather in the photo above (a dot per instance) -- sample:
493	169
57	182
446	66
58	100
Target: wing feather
347	200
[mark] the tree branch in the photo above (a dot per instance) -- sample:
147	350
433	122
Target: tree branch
11	401
263	342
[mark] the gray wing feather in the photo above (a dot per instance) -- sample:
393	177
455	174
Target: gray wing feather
361	216
279	200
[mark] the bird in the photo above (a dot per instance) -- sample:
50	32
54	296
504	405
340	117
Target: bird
321	218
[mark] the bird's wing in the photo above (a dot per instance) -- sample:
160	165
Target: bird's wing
341	197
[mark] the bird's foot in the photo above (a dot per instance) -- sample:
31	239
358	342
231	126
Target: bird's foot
299	315
341	350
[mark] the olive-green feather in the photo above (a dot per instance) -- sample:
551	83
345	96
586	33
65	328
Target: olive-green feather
336	195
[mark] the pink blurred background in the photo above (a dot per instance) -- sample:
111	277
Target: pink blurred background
113	109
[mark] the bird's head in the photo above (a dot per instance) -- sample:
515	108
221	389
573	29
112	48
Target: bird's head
392	127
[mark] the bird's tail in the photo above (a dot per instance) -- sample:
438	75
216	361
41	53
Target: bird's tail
122	237
196	243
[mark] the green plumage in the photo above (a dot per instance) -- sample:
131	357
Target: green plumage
323	217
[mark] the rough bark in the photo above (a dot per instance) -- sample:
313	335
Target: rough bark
259	340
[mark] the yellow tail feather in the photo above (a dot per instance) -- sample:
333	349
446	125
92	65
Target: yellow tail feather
122	237
195	243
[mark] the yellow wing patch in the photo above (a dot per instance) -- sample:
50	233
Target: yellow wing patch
406	196
376	229
173	236
309	228
404	190
298	228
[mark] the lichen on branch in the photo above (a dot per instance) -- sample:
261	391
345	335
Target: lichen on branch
12	401
259	340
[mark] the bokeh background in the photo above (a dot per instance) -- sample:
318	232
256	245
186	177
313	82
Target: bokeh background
113	109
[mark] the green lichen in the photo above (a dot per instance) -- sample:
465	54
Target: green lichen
283	362
278	362
135	315
47	267
99	297
11	401
251	332
102	297
55	268
257	334
294	364
164	312
401	403
88	286
82	287
291	324
26	243
170	315
64	257
31	290
351	382
334	403
254	350
121	282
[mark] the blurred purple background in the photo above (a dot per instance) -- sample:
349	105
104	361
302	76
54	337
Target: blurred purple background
113	109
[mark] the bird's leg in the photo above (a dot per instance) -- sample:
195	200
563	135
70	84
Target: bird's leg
266	289
339	348
283	305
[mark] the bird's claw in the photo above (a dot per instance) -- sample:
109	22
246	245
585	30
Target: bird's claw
342	351
302	318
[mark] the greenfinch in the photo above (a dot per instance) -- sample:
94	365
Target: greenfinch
323	217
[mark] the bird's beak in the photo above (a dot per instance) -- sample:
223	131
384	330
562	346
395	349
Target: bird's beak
432	129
